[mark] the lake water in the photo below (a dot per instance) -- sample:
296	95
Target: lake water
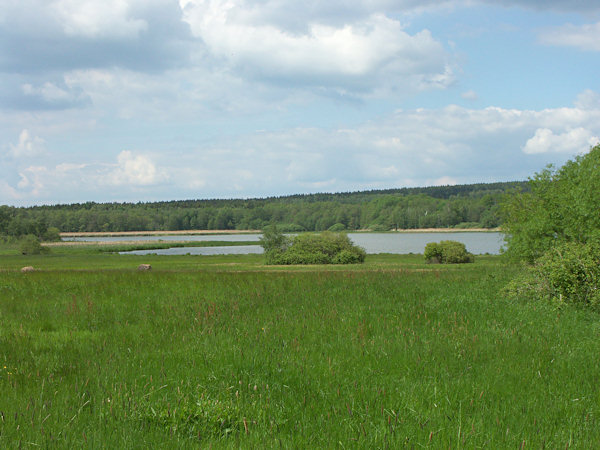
400	243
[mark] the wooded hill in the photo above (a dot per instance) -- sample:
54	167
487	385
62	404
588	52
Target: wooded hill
462	206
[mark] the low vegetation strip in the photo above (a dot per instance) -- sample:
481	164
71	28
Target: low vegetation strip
152	233
175	357
119	246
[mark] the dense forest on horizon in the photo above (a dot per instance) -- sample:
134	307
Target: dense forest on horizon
461	206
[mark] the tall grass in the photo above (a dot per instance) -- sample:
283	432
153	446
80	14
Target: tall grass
394	354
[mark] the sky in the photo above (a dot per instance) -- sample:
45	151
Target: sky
148	100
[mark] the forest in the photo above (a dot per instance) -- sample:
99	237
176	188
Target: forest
459	206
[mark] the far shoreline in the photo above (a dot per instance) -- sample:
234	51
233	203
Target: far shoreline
217	232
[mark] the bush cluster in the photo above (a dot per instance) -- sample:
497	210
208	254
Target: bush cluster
310	248
447	252
568	273
30	245
555	228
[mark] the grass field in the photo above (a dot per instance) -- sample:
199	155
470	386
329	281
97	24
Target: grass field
225	352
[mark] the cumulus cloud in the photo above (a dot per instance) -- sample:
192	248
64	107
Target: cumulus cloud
136	170
406	148
583	37
32	179
91	18
46	36
588	100
572	141
8	192
51	95
354	55
27	146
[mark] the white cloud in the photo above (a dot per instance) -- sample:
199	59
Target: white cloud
92	18
28	146
32	179
136	170
51	94
418	147
8	192
360	54
584	37
572	141
469	95
588	100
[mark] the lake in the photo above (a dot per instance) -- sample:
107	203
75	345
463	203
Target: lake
400	243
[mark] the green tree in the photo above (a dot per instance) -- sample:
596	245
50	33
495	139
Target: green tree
274	243
561	206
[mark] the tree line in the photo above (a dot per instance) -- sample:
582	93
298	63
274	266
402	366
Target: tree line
474	205
555	227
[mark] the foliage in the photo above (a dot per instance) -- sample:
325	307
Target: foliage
30	245
52	234
337	227
274	243
561	206
556	227
309	248
447	252
290	228
568	273
381	210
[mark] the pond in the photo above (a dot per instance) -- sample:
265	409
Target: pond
399	243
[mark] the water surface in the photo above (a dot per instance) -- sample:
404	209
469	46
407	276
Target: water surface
399	243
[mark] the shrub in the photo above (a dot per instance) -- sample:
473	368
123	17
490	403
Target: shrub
350	256
555	227
290	228
52	234
30	245
336	228
447	252
568	273
309	248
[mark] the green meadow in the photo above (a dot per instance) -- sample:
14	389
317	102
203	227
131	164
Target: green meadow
225	352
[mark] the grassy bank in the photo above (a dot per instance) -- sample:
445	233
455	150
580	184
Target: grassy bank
224	352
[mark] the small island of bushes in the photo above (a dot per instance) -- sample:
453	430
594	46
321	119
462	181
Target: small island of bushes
310	248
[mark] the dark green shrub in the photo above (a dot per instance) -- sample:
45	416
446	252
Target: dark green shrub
447	252
290	228
433	253
336	228
555	227
568	273
354	256
52	234
30	245
309	248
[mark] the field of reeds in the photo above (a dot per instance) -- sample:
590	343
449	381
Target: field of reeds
224	352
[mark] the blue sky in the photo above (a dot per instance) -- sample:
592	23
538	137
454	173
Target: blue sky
141	100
